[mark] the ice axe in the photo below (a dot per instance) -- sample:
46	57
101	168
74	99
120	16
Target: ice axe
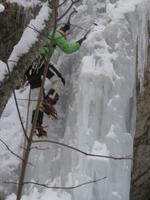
88	31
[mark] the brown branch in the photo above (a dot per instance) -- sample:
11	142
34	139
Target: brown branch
41	149
36	30
12	61
73	12
68	9
135	180
79	27
53	6
82	152
27	99
22	147
18	111
57	187
35	147
74	25
28	109
16	155
61	4
26	156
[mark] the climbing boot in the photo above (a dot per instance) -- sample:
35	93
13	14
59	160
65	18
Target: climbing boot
47	106
39	131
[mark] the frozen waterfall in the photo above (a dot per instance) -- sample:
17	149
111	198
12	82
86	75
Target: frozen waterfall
97	111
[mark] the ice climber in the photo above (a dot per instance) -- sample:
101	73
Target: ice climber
54	82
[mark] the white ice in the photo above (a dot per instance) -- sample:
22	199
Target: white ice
2	8
97	112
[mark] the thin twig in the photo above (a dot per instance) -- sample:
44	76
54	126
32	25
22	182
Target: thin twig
27	99
12	61
53	6
18	111
13	152
28	109
82	152
38	148
22	147
68	9
61	4
74	25
36	30
57	187
69	18
26	156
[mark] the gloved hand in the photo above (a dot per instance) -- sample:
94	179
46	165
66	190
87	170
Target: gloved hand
34	72
81	40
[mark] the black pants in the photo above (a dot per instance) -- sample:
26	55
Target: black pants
55	81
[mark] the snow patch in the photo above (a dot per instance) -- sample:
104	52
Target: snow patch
46	194
100	149
116	11
3	70
29	36
26	3
2	8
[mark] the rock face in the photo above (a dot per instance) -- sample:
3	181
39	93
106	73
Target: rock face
141	164
12	24
13	21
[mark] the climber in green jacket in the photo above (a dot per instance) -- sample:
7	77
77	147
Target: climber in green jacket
60	40
55	81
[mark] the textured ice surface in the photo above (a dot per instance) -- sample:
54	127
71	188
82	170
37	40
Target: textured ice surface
97	110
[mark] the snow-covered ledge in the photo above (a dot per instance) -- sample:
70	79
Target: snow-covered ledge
2	8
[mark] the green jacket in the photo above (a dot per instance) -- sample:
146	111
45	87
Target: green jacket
61	42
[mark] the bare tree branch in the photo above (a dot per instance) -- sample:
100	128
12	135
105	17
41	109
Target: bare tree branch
57	187
68	9
53	6
38	148
135	180
27	99
16	155
36	30
12	61
82	152
28	109
15	98
73	12
26	155
61	4
74	25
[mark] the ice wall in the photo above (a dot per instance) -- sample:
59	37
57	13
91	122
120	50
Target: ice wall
102	102
98	108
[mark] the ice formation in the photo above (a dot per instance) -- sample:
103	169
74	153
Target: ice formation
97	111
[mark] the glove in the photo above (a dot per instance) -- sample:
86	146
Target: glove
34	72
81	40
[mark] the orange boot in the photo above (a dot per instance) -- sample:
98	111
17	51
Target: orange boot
39	131
48	107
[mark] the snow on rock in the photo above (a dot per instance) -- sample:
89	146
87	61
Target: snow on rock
45	195
12	135
2	8
29	36
26	3
3	70
97	109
